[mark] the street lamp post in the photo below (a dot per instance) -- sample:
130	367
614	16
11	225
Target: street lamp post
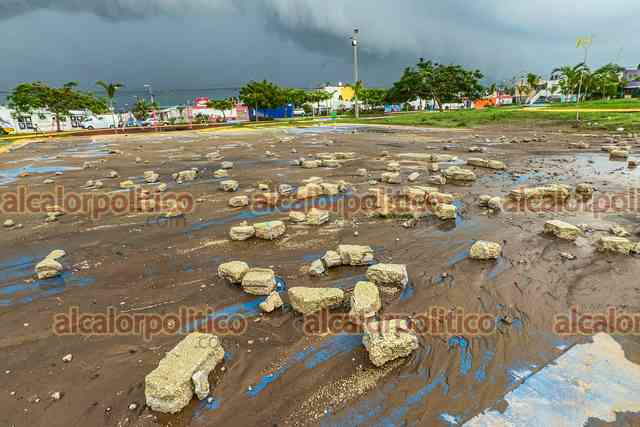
354	43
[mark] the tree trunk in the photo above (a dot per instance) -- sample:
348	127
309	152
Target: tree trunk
58	123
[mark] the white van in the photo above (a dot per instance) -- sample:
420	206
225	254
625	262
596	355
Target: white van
99	122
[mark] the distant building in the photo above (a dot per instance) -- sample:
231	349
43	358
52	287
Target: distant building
632	76
40	120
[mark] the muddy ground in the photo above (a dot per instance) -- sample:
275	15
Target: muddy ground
273	374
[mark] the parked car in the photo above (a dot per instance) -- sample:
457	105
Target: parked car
98	122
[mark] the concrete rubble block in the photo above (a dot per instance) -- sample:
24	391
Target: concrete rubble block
285	189
391	178
233	271
330	163
317	217
239	201
259	281
310	300
297	216
49	267
270	230
317	268
311	164
484	250
579	145
445	211
220	173
443	158
127	184
584	189
562	230
313	180
272	302
361	172
456	173
413	176
201	387
150	177
619	231
619	154
555	191
169	387
616	244
330	189
186	175
344	186
433	167
436	197
388	275
495	203
162	187
416	194
213	156
226	165
229	185
309	190
389	340
365	300
345	155
242	232
496	165
355	254
478	162
332	259
393	166
268	198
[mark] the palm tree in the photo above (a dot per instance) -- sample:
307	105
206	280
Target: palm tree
111	89
358	88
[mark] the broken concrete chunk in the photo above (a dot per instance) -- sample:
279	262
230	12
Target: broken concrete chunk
618	154
186	175
495	203
456	173
445	211
220	173
555	191
233	271
361	172
200	380
483	250
169	388
310	300
355	254
239	201
393	166
388	275
584	189
49	267
389	340
270	230
229	185
616	244
311	164
317	268
309	190
259	281
365	300
151	177
127	184
562	230
272	302
317	217
226	165
619	231
242	232
391	178
332	259
296	216
413	176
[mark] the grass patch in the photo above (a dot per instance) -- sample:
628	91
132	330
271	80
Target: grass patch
514	116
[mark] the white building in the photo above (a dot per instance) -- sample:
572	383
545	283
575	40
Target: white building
39	120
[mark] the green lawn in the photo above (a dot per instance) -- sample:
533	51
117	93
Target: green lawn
613	104
515	116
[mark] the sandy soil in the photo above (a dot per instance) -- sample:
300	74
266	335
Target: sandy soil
274	374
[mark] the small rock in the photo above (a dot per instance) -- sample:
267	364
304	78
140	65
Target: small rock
259	281
270	230
562	230
317	268
483	250
229	185
233	271
272	302
67	358
310	300
365	300
389	340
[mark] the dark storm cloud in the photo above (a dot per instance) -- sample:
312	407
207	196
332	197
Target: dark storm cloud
306	41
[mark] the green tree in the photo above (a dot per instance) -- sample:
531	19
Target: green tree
111	89
440	82
297	97
222	105
318	96
142	109
27	97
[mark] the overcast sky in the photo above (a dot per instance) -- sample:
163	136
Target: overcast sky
193	44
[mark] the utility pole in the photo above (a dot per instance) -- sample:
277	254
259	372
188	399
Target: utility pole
354	43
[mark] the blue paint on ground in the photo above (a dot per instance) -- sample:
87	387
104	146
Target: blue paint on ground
465	353
481	372
501	265
449	419
7	176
